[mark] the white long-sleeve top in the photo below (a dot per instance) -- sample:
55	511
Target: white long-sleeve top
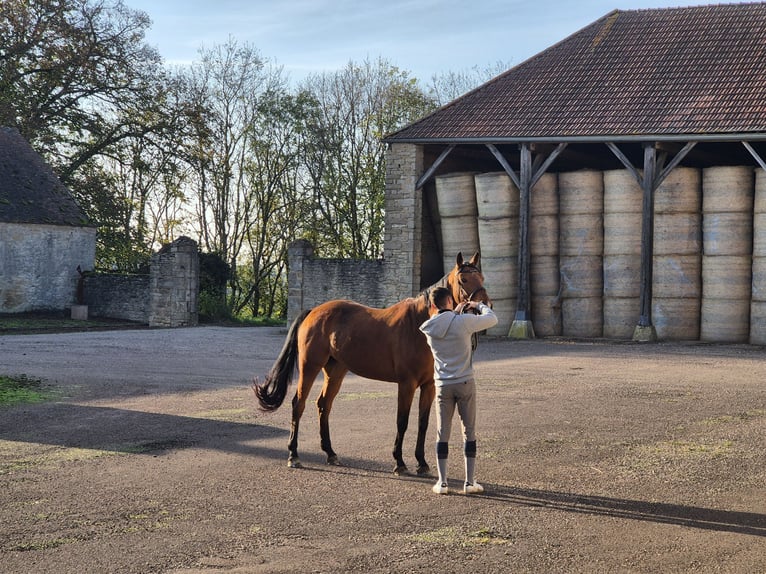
449	336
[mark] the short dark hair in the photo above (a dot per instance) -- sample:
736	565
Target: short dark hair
438	297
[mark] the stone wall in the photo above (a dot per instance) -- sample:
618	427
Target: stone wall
313	281
167	297
118	296
38	265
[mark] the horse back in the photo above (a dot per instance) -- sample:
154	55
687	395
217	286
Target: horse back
382	344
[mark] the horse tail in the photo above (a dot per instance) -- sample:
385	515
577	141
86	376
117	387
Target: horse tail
271	394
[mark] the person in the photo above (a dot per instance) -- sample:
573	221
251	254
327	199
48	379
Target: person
448	331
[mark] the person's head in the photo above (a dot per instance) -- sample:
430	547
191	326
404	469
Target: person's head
440	298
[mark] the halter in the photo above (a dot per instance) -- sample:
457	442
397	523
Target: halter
463	293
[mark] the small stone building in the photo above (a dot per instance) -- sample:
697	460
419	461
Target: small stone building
44	234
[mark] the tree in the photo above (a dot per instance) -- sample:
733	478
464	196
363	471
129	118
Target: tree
355	107
452	84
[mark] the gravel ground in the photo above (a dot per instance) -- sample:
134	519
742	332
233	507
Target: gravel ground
596	456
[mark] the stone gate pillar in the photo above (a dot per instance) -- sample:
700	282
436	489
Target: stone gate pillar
174	285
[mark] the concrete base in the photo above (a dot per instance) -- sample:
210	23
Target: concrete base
80	312
521	330
644	334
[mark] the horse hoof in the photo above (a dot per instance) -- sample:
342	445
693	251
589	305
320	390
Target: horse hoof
401	470
424	470
333	461
294	463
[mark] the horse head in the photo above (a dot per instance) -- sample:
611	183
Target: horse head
467	282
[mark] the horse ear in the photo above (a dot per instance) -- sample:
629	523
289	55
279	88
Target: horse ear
459	259
475	260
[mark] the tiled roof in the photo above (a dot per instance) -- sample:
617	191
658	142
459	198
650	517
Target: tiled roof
29	190
675	71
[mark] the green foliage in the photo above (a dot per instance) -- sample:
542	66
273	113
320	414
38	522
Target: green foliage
214	274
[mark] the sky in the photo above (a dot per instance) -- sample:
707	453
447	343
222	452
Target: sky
424	37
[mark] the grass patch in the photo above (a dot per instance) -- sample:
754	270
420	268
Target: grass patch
451	536
20	389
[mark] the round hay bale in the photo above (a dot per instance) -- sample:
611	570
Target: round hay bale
501	276
456	194
622	276
759	235
621	316
496	195
581	276
544	198
622	233
581	234
498	237
677	276
726	277
676	319
544	278
759	279
505	309
680	192
725	320
546	315
759	202
727	233
543	235
582	317
758	323
581	192
677	233
727	189
622	194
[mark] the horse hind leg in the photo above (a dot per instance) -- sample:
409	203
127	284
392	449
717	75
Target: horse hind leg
334	373
305	382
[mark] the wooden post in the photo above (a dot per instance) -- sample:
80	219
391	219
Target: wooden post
645	331
522	328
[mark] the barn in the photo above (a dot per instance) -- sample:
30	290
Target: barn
44	234
614	183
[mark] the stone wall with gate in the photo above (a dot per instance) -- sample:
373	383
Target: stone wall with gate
167	297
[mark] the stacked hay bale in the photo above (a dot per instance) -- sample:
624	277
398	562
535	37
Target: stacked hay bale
544	279
727	240
758	303
456	198
676	284
581	244
623	201
497	201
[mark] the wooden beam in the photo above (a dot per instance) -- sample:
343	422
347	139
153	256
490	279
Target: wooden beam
430	171
503	162
755	155
546	164
674	163
626	162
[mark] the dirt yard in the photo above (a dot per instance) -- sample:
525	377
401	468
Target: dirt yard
597	458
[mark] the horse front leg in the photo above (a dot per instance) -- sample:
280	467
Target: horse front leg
427	394
405	395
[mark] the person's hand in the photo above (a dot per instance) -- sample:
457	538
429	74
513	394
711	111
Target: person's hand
466	306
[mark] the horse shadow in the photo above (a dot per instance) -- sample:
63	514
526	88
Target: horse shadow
136	432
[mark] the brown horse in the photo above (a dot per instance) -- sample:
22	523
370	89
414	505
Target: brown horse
383	344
